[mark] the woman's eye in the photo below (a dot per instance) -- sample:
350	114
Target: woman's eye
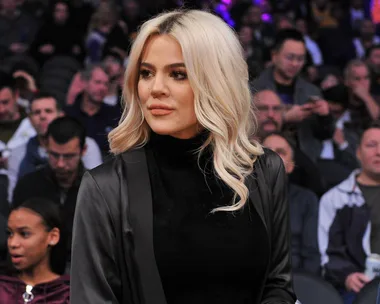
25	234
177	75
144	74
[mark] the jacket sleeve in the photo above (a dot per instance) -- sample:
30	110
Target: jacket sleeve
311	258
336	262
278	287
94	271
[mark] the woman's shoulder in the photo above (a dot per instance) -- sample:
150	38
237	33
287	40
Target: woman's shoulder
113	167
270	160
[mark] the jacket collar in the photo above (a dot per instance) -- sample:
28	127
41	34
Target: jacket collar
349	185
268	75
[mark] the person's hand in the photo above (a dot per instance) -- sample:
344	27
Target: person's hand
31	82
3	163
298	113
361	92
338	137
321	107
17	47
76	87
355	281
46	49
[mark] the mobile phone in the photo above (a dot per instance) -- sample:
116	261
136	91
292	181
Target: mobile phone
313	99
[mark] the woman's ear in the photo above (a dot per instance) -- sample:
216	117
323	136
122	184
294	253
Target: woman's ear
54	236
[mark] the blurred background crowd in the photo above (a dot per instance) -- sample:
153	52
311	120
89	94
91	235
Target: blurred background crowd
314	69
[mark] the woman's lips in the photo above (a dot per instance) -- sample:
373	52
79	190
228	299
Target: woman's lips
160	112
16	259
160	109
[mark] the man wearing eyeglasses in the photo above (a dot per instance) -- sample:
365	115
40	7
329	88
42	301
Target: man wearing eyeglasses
60	180
271	119
306	111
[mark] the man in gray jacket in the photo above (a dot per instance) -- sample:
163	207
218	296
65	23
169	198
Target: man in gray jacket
306	111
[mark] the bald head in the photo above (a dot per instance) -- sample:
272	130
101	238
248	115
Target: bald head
270	111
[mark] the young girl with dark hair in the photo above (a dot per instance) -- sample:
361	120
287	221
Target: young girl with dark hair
36	248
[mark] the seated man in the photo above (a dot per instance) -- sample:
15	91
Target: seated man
60	180
363	108
349	220
338	159
271	119
15	130
32	155
303	211
89	108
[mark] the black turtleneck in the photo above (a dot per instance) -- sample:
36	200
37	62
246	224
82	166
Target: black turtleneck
201	257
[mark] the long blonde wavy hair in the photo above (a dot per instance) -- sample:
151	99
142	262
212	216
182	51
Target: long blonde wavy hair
218	75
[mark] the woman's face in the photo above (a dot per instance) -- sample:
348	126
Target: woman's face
29	239
164	90
279	145
61	13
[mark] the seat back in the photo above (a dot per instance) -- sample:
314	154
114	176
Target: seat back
311	289
368	294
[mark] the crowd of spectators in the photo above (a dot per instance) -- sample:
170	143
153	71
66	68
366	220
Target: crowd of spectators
314	69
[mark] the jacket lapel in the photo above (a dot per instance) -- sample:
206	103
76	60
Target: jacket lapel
141	219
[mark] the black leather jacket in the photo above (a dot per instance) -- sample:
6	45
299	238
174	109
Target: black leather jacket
113	256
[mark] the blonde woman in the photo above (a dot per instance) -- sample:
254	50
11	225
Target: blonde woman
189	210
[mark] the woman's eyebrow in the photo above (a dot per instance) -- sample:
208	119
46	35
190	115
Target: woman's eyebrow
172	65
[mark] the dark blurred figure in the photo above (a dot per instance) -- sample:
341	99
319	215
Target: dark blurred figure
322	13
335	41
114	66
132	15
35	8
362	105
303	205
263	32
357	14
106	33
283	22
366	39
338	157
311	46
253	52
17	29
57	36
81	13
373	61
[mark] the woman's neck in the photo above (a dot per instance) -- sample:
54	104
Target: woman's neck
38	275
